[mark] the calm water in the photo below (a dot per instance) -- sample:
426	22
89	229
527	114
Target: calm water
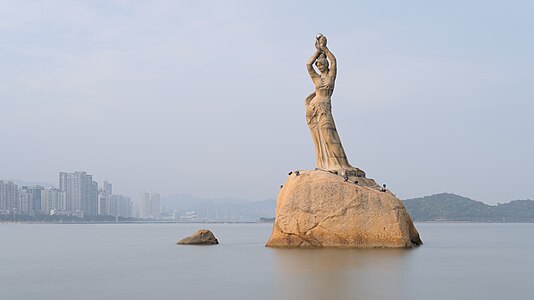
130	261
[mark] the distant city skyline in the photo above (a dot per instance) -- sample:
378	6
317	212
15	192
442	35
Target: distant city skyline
207	98
80	196
77	195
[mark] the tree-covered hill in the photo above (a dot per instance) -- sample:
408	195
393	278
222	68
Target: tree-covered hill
515	211
451	207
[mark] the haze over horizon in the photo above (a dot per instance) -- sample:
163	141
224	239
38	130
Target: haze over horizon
208	98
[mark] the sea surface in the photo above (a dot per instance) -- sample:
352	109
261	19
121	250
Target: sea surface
142	261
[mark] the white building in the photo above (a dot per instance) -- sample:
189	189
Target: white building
190	216
78	214
51	200
120	206
149	206
103	207
80	192
30	198
9	195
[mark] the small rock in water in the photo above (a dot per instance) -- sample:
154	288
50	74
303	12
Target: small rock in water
201	237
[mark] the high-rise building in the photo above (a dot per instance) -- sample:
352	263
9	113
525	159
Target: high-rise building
91	206
9	195
107	187
144	205
30	198
25	199
51	200
103	209
149	205
104	204
79	192
120	206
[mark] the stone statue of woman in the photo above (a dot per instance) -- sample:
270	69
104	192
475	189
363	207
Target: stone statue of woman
328	149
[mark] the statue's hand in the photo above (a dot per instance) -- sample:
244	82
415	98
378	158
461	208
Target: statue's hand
322	42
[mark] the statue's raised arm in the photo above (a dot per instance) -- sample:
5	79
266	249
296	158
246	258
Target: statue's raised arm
311	61
333	62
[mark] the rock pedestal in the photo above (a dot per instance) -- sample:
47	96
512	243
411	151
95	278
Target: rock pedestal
318	209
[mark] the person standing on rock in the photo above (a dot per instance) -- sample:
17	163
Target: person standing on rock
328	149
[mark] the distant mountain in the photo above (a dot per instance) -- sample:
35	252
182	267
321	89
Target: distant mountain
451	207
219	209
515	211
186	201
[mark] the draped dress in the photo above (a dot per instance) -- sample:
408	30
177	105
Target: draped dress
328	149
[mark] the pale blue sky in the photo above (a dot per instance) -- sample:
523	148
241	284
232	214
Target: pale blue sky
207	97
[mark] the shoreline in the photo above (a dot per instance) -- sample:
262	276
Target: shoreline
242	222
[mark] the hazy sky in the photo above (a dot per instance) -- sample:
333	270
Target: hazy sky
207	97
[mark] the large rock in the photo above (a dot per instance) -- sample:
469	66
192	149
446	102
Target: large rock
201	237
322	209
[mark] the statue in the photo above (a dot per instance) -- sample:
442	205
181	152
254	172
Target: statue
335	205
328	149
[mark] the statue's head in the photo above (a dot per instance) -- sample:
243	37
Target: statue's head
322	63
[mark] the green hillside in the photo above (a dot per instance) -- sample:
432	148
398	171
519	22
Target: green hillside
451	207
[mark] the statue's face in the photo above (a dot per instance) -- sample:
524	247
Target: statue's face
322	65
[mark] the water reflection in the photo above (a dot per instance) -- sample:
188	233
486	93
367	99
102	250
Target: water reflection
341	273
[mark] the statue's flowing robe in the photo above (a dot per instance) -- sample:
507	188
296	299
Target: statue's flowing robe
328	149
